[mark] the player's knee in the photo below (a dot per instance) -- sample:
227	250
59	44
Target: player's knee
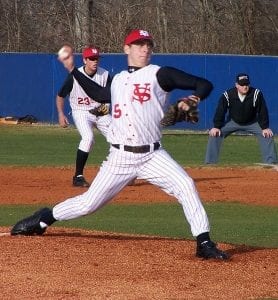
182	186
86	145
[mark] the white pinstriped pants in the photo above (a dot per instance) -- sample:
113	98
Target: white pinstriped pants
84	122
120	168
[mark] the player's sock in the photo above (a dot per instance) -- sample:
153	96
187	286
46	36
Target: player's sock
203	237
47	218
81	159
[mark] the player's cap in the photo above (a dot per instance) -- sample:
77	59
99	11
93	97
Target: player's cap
242	79
91	52
138	35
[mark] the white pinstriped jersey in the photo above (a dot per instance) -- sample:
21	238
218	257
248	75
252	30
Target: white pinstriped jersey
137	107
78	99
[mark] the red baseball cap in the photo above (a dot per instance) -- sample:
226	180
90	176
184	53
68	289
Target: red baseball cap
90	52
137	35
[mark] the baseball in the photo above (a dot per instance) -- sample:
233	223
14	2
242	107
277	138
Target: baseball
64	52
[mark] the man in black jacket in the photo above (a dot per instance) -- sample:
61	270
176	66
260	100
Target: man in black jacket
247	111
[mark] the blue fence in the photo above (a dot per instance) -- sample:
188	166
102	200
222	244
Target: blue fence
29	82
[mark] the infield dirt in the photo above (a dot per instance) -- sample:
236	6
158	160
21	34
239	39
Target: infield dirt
77	264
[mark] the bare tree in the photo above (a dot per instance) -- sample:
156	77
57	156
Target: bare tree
161	10
178	26
82	23
266	27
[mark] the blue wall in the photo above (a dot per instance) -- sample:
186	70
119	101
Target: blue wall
29	82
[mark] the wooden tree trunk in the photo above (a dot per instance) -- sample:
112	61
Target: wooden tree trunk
82	24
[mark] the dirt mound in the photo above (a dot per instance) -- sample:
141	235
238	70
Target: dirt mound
76	264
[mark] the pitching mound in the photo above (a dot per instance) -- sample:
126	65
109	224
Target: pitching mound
76	264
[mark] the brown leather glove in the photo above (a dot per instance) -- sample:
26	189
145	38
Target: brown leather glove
100	111
185	109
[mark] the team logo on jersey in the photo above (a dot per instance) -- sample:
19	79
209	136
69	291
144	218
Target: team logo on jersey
141	92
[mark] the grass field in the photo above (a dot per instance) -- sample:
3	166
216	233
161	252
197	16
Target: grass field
54	146
231	223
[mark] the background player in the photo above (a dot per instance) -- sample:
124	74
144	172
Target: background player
81	104
138	97
247	111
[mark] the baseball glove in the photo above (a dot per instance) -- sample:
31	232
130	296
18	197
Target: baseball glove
185	109
100	111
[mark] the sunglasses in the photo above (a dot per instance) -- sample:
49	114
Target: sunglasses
93	58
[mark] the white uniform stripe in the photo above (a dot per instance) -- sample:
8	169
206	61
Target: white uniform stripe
137	107
227	98
108	182
158	168
164	172
81	104
255	96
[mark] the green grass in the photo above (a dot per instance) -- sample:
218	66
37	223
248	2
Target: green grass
232	223
55	146
189	149
44	146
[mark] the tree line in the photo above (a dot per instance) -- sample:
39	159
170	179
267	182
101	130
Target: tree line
248	27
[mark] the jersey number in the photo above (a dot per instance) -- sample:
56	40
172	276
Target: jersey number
117	111
85	101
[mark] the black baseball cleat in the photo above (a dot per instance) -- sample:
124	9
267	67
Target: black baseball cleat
79	181
209	250
30	225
